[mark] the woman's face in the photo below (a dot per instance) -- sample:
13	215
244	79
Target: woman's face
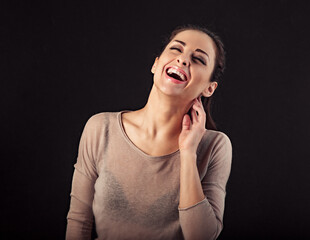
184	68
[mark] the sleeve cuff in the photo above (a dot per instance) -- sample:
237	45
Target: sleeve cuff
201	202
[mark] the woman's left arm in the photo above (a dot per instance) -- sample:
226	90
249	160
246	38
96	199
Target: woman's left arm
201	204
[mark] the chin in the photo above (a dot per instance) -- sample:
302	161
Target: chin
170	89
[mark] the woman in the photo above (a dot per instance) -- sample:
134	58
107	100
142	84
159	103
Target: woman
157	173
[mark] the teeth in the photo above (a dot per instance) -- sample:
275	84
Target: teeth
172	70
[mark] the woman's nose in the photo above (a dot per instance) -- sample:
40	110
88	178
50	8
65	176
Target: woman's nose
183	60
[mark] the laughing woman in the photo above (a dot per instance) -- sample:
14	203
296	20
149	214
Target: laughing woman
157	173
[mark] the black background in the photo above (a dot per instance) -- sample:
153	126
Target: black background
62	62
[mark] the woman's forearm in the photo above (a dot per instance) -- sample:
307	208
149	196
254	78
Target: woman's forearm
190	186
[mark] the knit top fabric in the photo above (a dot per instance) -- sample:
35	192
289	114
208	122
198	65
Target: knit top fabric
132	195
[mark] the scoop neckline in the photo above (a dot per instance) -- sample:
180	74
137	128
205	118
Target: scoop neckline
133	146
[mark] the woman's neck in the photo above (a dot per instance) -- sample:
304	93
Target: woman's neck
162	116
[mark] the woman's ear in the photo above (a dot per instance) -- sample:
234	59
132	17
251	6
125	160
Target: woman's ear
154	65
209	90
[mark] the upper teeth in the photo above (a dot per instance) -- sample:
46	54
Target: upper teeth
181	75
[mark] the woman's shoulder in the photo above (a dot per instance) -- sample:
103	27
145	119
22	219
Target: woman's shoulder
214	135
102	116
102	119
216	145
213	139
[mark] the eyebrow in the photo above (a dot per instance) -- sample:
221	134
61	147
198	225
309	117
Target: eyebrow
197	50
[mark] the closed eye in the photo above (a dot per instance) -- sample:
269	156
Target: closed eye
200	60
175	48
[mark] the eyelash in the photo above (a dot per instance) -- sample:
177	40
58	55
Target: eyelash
200	60
195	58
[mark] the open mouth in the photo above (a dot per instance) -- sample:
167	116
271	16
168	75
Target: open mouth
176	74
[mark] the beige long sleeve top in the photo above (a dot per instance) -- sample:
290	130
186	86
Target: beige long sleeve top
132	195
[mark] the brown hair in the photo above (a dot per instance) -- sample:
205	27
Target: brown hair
218	69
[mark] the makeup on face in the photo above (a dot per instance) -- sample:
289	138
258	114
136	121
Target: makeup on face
176	75
201	59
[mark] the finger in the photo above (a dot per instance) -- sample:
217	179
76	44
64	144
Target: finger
194	115
197	103
198	107
186	123
200	101
201	112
